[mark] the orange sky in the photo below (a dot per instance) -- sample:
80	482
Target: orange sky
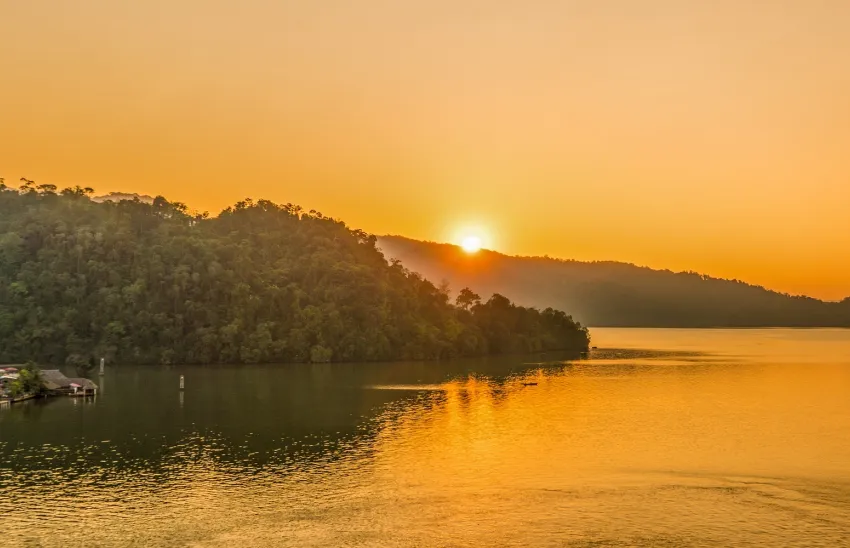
709	136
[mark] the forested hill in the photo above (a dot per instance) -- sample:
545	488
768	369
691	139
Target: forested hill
139	282
616	294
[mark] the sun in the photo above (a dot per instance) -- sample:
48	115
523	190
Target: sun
471	238
471	244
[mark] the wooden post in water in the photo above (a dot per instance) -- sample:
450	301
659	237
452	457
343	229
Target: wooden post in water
102	363
181	382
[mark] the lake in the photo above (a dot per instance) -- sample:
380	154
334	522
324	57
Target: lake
662	438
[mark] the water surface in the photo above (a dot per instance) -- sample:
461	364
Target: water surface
661	438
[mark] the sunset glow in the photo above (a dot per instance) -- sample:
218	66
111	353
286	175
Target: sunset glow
705	136
526	273
471	244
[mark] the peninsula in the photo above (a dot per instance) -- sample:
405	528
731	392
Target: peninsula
152	283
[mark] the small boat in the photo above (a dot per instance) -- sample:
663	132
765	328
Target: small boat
529	384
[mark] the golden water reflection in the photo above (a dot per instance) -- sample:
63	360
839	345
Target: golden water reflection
736	444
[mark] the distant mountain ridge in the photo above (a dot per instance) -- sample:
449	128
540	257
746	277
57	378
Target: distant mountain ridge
615	294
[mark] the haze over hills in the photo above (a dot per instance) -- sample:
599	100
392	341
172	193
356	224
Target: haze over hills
615	294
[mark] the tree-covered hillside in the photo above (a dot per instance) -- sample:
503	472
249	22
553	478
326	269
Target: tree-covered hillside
616	294
138	282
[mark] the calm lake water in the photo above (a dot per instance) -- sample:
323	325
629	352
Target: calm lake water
663	438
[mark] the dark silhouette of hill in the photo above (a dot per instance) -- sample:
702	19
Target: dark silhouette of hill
615	294
139	282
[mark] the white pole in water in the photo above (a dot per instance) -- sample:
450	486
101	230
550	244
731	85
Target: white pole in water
102	363
181	382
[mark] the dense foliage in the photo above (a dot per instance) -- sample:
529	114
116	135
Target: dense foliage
617	294
139	282
29	382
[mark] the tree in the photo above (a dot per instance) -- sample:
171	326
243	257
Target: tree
467	299
29	382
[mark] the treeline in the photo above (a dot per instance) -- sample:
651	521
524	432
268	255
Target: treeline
617	294
152	283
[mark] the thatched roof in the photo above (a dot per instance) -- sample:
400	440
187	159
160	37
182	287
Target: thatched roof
54	376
